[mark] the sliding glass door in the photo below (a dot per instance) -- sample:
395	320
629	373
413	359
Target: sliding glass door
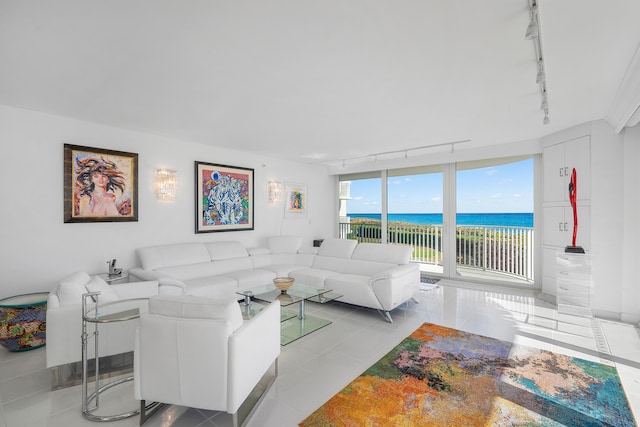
469	220
494	220
414	214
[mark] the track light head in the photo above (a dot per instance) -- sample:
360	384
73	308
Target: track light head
546	119
545	104
540	78
532	30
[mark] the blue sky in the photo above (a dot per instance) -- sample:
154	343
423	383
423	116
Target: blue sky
495	189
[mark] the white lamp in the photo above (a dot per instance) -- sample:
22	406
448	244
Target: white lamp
166	185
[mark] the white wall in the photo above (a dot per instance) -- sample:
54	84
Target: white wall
631	224
37	248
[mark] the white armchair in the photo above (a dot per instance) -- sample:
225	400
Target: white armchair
198	352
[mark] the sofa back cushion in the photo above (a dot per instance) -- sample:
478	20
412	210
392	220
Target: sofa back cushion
195	307
190	271
225	250
338	248
155	257
395	254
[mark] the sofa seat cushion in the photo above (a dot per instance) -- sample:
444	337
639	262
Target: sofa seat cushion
192	307
251	278
312	276
282	270
213	287
354	289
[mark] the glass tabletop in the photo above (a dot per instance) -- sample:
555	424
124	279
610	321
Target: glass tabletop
117	311
296	293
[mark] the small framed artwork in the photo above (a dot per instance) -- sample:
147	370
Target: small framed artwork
224	198
296	200
100	185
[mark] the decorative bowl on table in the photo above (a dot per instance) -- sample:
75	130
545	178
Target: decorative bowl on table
283	283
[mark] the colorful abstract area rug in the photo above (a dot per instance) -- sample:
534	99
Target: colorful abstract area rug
444	377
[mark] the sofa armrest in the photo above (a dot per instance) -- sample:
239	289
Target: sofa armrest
166	285
136	289
252	350
395	272
395	285
140	274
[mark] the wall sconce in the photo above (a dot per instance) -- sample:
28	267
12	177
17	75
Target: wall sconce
275	192
166	185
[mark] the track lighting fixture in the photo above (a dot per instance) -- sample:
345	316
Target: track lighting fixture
544	106
540	78
534	33
406	151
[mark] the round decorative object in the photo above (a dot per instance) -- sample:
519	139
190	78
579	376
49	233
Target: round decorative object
23	323
283	283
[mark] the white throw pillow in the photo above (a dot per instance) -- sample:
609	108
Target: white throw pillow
71	288
97	284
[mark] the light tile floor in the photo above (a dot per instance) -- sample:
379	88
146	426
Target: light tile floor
315	367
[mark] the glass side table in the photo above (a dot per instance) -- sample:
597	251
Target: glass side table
23	323
115	311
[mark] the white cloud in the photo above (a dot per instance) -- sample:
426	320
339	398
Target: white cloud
436	199
517	195
357	198
370	203
492	172
496	196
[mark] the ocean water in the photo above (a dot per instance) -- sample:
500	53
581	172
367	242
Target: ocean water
489	219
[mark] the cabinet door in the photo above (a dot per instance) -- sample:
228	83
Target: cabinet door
577	155
554	170
554	233
558	226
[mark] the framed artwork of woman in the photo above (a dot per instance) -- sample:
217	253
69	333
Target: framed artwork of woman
100	185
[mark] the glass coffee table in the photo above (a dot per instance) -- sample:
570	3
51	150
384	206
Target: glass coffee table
293	325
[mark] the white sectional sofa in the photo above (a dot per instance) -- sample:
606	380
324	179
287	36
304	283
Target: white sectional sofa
370	275
64	318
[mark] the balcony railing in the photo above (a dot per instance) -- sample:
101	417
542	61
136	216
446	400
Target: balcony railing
506	250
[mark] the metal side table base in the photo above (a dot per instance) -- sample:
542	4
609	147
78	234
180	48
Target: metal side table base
117	311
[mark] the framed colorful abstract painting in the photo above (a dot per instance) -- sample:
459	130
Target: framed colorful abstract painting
100	185
224	198
296	200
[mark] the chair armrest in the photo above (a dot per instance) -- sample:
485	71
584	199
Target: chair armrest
252	350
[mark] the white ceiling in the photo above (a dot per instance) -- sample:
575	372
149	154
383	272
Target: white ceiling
316	80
